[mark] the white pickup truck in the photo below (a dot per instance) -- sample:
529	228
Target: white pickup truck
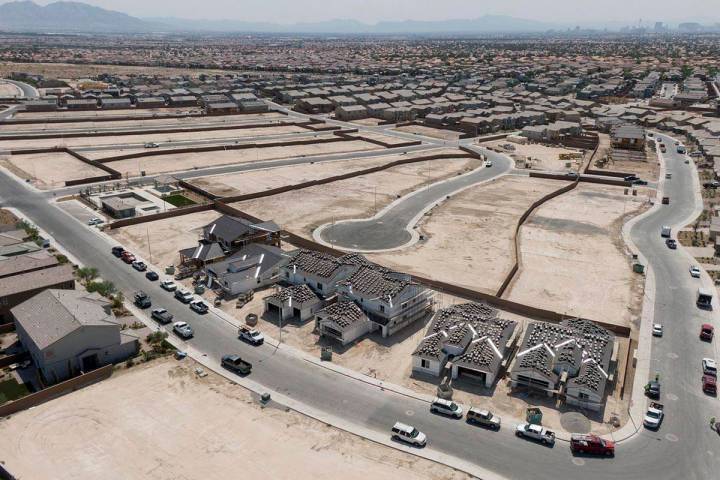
250	335
535	432
654	415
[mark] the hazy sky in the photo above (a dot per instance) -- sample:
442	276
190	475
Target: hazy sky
291	11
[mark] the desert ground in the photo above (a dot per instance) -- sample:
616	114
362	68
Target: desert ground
141	112
302	211
49	170
167	236
574	260
273	177
469	237
171	424
543	157
220	135
380	137
187	161
430	132
183	122
9	90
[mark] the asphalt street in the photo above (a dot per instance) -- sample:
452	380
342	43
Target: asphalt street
684	447
392	227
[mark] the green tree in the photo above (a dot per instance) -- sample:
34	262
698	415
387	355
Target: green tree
104	288
87	274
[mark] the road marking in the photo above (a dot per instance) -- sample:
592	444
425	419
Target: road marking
671	437
578	461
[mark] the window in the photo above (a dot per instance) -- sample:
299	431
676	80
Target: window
404	305
319	286
382	308
583	396
425	363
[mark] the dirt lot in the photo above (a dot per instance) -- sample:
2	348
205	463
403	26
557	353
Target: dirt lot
574	260
370	122
304	210
170	424
380	137
469	237
49	170
188	161
167	236
430	132
9	90
149	112
265	179
150	122
225	135
543	157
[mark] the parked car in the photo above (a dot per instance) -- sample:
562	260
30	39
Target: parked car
709	367
446	407
665	232
199	306
162	315
409	434
706	332
142	300
639	182
671	243
127	257
183	330
695	271
488	163
152	276
711	184
118	251
139	266
250	335
631	178
483	418
571	174
95	221
168	285
591	444
535	432
151	145
184	296
657	330
709	384
652	389
654	416
236	364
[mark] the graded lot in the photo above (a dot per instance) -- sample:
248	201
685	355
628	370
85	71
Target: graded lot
49	170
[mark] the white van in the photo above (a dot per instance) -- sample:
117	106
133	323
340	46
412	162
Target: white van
665	232
408	434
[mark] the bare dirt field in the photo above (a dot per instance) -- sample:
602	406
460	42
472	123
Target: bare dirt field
267	178
8	90
74	70
188	161
647	170
370	122
90	114
469	237
302	211
387	139
430	132
154	137
150	122
171	424
543	157
167	237
574	260
49	170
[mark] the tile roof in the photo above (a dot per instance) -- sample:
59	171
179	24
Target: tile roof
344	314
298	293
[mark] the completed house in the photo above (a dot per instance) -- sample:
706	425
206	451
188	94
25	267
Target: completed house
252	267
69	332
342	321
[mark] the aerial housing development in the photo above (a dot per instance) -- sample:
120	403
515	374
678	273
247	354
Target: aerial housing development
482	248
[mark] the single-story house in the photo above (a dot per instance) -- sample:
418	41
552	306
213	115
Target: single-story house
342	321
296	303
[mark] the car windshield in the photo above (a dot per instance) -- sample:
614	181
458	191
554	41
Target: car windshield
453	406
254	334
414	433
652	414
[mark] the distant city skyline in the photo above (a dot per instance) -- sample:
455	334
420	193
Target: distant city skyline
581	12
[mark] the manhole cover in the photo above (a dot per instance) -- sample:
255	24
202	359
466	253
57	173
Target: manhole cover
409	413
575	422
578	461
671	437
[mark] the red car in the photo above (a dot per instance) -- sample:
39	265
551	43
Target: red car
706	332
127	257
591	444
709	384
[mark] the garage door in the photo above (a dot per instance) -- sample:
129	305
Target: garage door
472	375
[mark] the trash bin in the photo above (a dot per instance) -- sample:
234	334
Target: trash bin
639	268
326	354
251	319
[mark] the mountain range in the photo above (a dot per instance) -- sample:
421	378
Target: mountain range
60	17
68	16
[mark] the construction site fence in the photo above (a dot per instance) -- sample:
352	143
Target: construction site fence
200	191
56	391
409	143
175	212
559	176
10	359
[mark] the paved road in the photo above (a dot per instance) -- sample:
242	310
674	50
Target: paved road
683	448
392	227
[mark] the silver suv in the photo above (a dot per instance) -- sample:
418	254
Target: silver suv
446	407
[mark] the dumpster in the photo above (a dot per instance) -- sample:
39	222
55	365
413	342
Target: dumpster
534	416
639	268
